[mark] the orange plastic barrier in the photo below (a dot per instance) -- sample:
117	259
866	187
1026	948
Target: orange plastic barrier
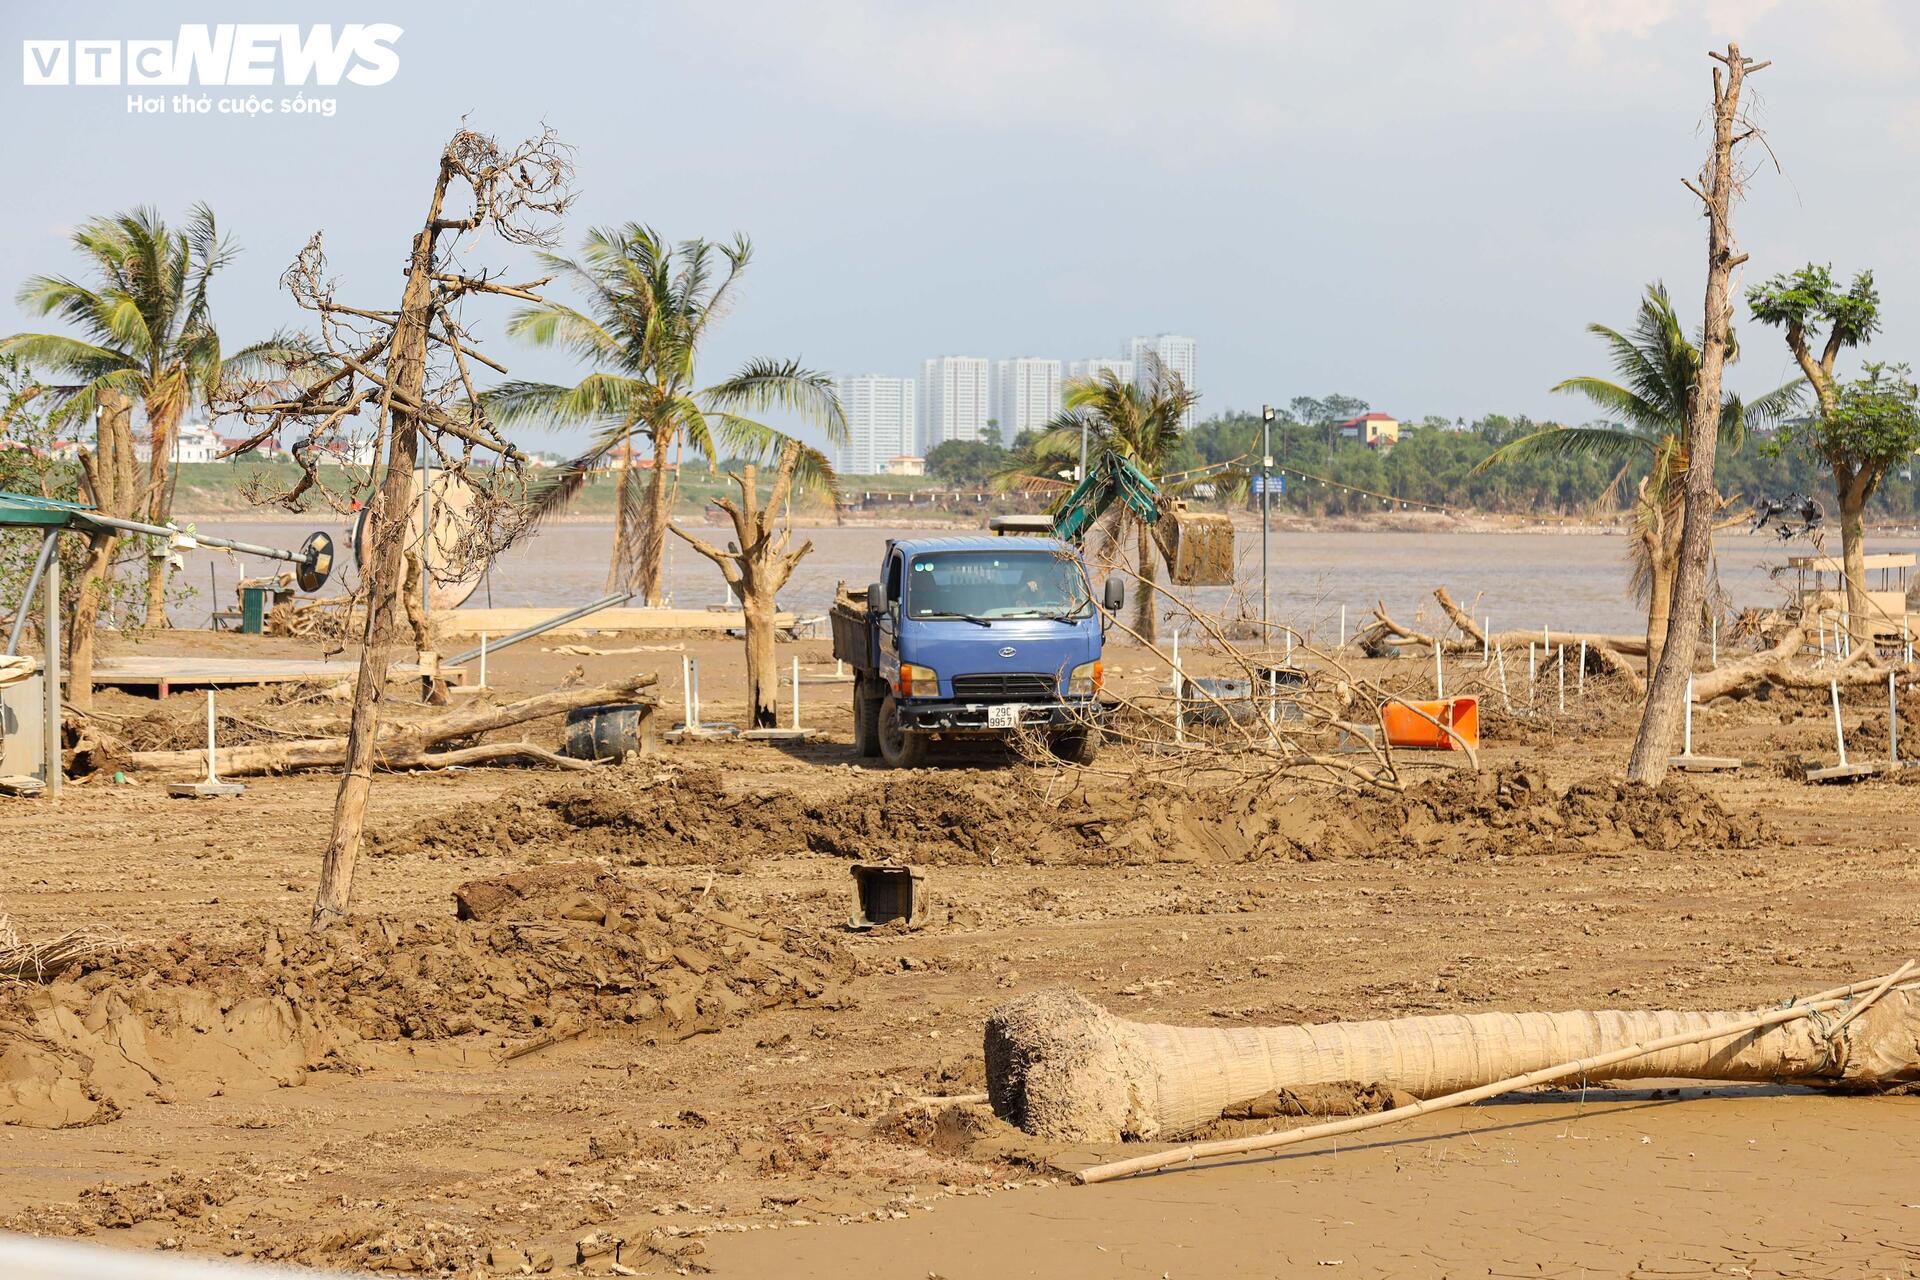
1405	728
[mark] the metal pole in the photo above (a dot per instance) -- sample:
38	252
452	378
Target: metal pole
1266	480
796	693
1686	747
527	633
213	771
483	659
47	545
694	665
1563	679
1343	628
1580	677
1893	723
1439	681
686	694
52	628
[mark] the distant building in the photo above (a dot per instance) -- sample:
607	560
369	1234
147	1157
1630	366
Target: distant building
1175	353
953	400
1026	395
881	423
192	442
1375	430
1092	367
904	465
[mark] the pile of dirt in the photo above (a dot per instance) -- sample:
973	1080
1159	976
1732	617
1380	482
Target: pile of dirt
527	960
693	816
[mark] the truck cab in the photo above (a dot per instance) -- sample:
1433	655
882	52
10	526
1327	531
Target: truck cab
968	637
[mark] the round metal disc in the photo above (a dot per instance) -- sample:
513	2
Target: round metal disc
316	561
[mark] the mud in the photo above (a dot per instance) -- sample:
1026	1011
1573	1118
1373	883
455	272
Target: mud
529	959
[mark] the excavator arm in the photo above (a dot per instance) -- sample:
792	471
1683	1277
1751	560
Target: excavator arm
1198	546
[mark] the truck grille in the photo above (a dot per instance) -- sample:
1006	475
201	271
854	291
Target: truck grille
1010	687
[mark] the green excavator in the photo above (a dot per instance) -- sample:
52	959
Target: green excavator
1198	545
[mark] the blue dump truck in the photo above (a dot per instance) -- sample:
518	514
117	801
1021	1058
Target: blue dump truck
974	637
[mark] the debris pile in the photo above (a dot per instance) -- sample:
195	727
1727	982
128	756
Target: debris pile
528	960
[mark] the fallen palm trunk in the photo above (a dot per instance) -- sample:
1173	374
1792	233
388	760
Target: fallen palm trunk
1061	1067
406	745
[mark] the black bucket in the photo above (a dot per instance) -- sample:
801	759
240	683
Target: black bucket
610	731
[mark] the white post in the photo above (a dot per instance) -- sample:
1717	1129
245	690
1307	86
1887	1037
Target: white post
213	773
1716	640
1343	628
1546	640
686	694
1176	653
1531	673
483	659
1686	740
838	671
1439	681
796	693
1500	655
1580	677
1179	712
1289	646
1563	679
1839	734
1893	723
1486	642
694	664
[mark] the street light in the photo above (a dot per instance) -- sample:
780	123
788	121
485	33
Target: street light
1266	462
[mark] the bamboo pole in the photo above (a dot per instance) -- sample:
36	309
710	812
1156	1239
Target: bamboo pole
1587	1066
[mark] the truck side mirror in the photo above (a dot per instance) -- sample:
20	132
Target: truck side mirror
1114	597
876	597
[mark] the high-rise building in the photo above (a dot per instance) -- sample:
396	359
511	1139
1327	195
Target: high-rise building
1175	354
1026	395
881	425
953	400
1093	366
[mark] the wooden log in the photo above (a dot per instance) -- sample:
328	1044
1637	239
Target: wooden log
407	745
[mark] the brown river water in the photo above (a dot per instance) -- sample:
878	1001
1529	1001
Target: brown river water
1521	579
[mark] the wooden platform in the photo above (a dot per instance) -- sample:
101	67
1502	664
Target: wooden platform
1843	773
1703	764
165	673
503	621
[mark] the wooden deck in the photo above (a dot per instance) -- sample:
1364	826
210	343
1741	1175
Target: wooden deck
501	621
165	673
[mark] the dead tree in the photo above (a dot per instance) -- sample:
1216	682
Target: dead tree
756	565
113	485
409	373
1719	183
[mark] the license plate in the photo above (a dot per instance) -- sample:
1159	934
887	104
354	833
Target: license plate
1004	717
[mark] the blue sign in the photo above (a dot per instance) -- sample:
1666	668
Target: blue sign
1270	484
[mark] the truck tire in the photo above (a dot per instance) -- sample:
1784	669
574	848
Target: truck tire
1077	746
866	719
898	748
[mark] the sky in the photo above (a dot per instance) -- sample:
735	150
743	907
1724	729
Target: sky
1420	204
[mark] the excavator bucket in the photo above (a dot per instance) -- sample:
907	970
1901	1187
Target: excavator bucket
1198	546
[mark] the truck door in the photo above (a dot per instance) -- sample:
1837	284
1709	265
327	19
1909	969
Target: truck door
890	625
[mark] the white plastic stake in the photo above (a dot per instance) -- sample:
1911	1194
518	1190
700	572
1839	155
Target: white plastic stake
483	659
1179	712
1839	734
1531	673
213	774
1715	624
1343	628
1546	640
1563	679
1176	653
1289	646
838	671
1500	656
694	664
1439	681
1580	676
1893	723
1486	641
1686	747
686	693
796	693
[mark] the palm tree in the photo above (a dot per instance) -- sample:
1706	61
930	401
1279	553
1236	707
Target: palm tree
1658	369
1140	423
146	333
648	308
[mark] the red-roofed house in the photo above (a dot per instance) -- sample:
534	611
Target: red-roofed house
1375	430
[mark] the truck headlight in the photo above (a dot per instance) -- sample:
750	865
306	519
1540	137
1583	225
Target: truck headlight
917	682
1085	680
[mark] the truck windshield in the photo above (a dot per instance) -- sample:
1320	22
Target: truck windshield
982	585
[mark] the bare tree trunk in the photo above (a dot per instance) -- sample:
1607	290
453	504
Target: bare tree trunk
1853	559
164	427
391	507
86	616
1659	603
1146	609
433	689
622	561
1667	690
112	478
763	666
653	536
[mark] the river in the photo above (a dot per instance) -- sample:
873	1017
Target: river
1568	581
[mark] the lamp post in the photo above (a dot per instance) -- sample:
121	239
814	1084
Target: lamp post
1266	462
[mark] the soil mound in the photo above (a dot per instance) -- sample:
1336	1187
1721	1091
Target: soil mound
694	817
529	959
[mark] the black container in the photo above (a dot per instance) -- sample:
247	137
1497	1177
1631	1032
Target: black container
610	731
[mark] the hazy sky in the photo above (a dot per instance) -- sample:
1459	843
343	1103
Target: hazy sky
1420	203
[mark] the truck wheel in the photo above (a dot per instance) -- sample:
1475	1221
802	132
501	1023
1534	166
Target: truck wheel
898	748
1077	746
866	720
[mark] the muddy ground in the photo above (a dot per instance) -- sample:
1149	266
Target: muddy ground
676	1058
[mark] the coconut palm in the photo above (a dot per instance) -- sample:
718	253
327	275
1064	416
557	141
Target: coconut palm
648	308
1137	422
146	332
1658	369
